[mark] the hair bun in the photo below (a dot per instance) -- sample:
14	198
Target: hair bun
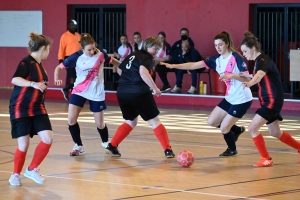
248	34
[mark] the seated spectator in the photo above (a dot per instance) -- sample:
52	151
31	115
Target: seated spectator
174	59
124	49
163	53
138	42
188	54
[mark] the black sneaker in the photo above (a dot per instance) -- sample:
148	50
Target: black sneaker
113	150
65	93
237	134
165	88
169	153
228	152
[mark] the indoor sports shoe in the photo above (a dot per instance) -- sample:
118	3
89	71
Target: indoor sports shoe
34	175
228	152
77	150
169	153
192	90
263	162
237	134
113	150
15	180
65	93
176	89
165	88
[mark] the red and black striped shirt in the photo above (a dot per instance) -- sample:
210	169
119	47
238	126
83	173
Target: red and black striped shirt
270	89
28	101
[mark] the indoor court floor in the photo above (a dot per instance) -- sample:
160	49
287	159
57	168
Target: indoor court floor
143	172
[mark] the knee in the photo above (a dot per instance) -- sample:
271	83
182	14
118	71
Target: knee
252	130
47	138
212	123
276	134
23	147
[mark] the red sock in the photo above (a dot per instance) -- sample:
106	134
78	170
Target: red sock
120	134
162	135
19	160
289	140
40	153
261	146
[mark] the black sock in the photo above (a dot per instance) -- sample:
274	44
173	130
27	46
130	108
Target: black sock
230	140
75	133
103	133
235	129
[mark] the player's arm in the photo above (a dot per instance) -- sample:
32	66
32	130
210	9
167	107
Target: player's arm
116	64
57	71
189	65
19	81
256	79
148	80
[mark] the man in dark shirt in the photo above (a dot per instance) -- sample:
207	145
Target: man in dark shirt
174	59
135	97
188	54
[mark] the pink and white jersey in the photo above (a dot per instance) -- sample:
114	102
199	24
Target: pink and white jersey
233	64
124	51
89	71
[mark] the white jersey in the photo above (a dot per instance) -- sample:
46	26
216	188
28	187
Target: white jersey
89	71
233	64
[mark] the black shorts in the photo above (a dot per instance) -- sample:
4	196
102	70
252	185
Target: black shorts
237	111
135	104
30	125
269	114
95	106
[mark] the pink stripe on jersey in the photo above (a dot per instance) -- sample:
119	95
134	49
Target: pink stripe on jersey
228	70
90	77
162	53
206	67
127	52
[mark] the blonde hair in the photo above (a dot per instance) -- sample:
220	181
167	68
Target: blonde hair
152	42
37	41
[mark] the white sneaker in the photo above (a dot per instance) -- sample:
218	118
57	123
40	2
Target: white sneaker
15	180
34	175
176	89
76	150
192	90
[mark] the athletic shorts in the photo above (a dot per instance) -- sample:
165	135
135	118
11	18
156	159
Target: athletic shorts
95	106
269	114
237	110
30	125
135	104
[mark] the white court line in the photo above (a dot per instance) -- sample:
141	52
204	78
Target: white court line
143	186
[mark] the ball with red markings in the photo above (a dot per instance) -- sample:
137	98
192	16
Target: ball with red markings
185	158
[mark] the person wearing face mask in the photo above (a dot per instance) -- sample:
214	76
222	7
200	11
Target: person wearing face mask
135	97
228	63
89	85
175	55
69	43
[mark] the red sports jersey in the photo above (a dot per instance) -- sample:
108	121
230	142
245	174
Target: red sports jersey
28	101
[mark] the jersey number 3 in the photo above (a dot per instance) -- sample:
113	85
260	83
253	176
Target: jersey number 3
130	61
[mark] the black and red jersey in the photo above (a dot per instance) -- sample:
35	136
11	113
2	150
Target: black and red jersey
28	101
131	80
270	89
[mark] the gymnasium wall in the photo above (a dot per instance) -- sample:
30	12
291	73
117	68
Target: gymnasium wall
203	18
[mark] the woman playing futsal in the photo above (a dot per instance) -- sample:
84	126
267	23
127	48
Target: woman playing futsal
89	85
228	63
270	94
28	115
